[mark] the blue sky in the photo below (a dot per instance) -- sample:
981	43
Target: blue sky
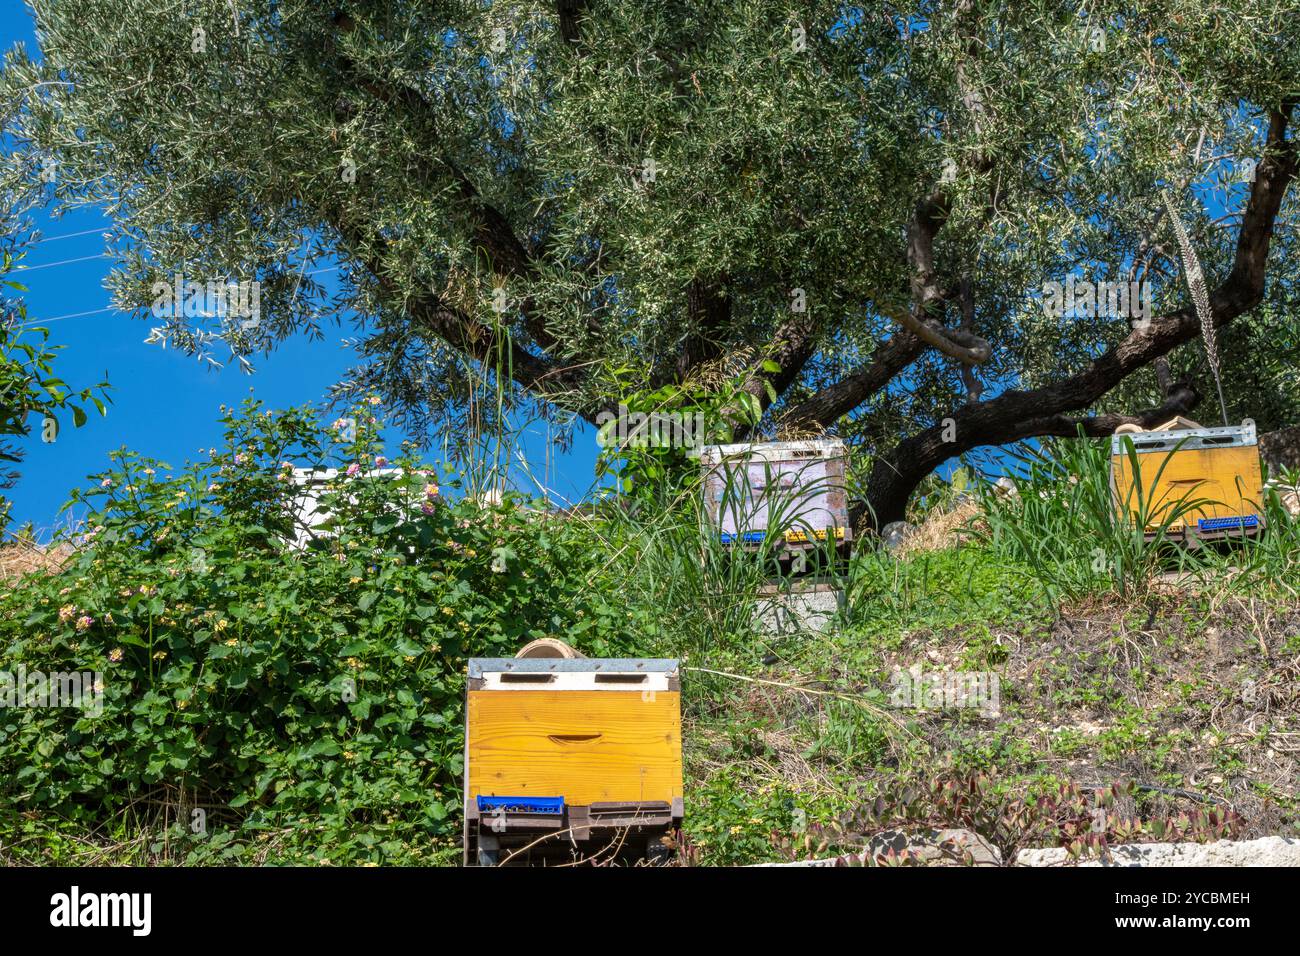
164	403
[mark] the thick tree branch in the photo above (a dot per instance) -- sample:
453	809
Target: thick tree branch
487	227
1180	400
570	13
794	343
833	402
922	321
924	318
492	346
708	311
1016	414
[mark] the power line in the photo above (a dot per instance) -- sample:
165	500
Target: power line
67	235
60	318
50	265
20	268
78	315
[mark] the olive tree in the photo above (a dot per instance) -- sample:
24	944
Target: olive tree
855	219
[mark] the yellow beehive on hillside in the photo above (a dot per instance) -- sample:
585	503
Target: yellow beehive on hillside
1207	479
567	756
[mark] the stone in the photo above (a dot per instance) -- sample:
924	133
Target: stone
1281	449
948	847
1266	851
931	848
1005	487
895	533
798	608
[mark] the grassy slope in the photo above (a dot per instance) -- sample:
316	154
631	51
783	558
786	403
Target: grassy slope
1157	690
1179	690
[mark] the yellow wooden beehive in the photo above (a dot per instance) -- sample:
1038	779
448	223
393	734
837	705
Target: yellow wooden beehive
1210	475
580	748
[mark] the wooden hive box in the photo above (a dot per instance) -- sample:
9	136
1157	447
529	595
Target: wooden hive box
581	747
793	491
1216	468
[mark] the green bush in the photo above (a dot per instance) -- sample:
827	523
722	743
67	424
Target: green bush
308	702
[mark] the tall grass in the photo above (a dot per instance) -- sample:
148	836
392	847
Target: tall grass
1272	563
1063	521
708	591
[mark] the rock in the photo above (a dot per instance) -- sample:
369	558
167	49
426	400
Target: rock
950	847
797	608
1291	501
1266	851
1289	495
931	848
1281	449
895	533
1004	486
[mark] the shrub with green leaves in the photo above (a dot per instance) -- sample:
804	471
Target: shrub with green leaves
306	702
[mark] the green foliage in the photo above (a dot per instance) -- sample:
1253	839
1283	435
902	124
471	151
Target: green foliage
1272	563
1261	359
679	561
936	589
849	734
732	821
638	186
309	701
656	455
1063	520
1063	524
